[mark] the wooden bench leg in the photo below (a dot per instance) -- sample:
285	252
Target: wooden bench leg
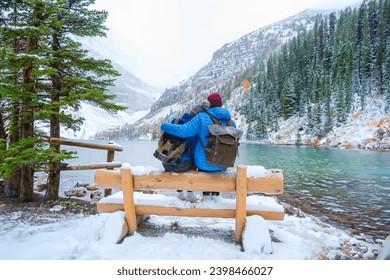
241	192
128	199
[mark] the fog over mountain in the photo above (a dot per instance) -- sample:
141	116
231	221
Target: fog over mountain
129	90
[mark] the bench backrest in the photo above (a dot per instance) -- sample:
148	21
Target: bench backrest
271	183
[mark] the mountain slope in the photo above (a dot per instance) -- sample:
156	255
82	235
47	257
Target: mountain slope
230	60
131	92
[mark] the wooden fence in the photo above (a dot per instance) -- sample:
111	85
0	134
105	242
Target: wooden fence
111	148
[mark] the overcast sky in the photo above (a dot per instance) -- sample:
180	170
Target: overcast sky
170	40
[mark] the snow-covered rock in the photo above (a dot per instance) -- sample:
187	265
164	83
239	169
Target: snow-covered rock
76	191
256	237
384	253
114	228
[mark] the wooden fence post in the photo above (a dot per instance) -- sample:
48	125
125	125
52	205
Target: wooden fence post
241	193
110	158
128	199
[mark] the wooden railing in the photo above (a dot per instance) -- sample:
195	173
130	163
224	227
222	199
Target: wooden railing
111	148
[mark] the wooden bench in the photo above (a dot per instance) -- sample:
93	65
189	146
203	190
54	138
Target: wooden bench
239	181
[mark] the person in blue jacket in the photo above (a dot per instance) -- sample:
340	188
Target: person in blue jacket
187	161
197	126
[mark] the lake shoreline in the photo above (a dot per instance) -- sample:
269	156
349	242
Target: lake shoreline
386	145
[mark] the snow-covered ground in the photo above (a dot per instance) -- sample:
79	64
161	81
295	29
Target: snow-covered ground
182	243
297	237
357	133
94	237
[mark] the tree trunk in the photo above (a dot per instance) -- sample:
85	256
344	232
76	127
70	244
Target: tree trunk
57	85
26	189
3	134
26	186
27	130
54	173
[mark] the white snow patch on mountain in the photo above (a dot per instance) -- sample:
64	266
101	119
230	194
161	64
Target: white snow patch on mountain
97	119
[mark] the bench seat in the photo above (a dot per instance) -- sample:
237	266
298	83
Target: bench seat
143	191
172	206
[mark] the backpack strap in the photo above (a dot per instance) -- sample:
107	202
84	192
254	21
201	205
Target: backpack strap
214	119
217	121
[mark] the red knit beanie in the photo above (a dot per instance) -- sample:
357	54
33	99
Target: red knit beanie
215	99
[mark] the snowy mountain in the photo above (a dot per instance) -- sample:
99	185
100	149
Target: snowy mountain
129	90
230	60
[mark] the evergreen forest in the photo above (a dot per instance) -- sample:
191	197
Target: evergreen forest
325	73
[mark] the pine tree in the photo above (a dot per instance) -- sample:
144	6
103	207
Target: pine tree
249	132
21	34
261	126
48	71
290	98
68	82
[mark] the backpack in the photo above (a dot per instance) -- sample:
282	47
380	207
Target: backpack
171	149
222	149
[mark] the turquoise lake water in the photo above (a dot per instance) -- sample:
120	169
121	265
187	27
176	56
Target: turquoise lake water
354	184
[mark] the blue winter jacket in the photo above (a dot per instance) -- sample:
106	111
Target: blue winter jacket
197	126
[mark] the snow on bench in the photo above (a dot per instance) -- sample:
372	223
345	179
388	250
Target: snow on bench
134	181
259	203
